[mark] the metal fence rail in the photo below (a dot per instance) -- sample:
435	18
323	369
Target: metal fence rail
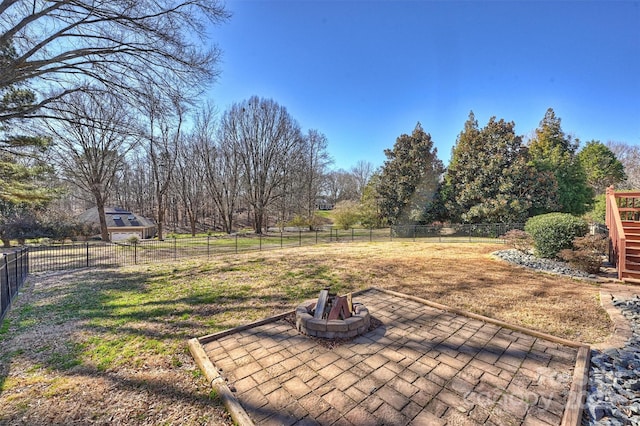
14	269
90	254
456	232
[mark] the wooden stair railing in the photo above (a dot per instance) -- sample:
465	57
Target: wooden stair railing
623	221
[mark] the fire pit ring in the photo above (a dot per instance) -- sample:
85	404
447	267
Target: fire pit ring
358	323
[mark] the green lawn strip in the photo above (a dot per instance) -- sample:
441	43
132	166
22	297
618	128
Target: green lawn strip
138	312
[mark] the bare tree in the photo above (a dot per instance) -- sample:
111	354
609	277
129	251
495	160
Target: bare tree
118	46
341	186
263	135
188	182
315	162
162	138
221	165
92	139
629	156
134	187
362	171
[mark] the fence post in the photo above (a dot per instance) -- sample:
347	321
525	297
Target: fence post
87	243
281	231
175	247
18	281
414	233
300	237
6	275
135	252
208	246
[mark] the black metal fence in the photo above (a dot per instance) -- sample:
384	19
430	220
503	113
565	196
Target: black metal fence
90	254
13	272
479	232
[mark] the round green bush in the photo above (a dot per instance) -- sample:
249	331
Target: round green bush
553	232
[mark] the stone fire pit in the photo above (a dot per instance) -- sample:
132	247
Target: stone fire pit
332	317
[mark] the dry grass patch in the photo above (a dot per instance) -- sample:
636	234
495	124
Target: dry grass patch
109	346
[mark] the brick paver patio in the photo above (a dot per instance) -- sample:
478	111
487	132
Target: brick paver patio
422	366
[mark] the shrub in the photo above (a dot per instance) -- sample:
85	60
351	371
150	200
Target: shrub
299	221
346	214
598	211
587	253
518	240
553	232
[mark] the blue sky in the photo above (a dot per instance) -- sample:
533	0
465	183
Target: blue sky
364	72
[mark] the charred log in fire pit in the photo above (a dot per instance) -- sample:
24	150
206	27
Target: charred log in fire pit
332	316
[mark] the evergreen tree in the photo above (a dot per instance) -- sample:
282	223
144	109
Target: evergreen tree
553	151
370	215
409	179
21	167
601	166
490	179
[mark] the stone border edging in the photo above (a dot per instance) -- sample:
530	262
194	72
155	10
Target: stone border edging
621	329
574	407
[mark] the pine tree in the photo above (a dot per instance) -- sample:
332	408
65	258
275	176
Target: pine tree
409	179
21	168
555	152
601	166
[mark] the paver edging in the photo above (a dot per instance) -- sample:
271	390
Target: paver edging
574	408
621	327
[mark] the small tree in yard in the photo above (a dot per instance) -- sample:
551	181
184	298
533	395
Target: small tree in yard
587	253
346	214
554	232
518	240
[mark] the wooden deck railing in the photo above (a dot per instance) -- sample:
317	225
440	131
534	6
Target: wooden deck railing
621	206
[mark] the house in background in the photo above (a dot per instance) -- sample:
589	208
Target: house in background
121	223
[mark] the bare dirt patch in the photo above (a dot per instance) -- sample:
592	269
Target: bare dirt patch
108	346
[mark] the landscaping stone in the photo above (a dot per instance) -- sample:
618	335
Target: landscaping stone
614	383
546	265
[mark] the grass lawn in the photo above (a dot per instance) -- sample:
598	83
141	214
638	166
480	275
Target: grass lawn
108	346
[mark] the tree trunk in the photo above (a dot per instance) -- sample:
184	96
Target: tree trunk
258	218
160	223
192	223
104	233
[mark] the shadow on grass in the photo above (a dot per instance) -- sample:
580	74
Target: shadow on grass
98	323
